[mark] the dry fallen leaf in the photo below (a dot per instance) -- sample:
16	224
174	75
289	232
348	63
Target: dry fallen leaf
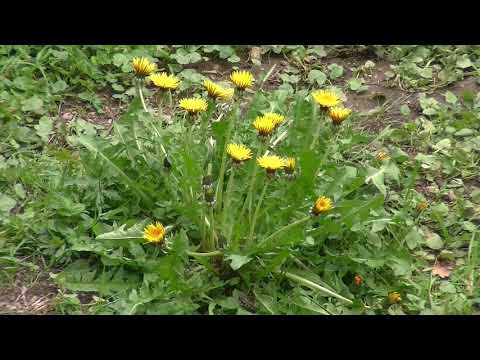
441	269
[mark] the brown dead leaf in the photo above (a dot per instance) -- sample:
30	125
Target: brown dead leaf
442	269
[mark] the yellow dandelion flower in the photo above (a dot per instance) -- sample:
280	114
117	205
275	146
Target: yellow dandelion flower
394	298
154	233
326	98
422	205
290	165
271	163
164	81
264	125
193	105
239	152
216	91
338	114
382	156
277	119
242	79
323	204
143	67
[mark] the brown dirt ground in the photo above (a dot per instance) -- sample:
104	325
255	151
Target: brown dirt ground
72	110
379	91
37	298
29	294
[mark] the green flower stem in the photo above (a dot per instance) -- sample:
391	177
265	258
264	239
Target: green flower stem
204	214
160	104
285	228
170	98
316	135
228	196
134	130
315	286
138	85
219	192
257	210
212	228
206	119
203	228
206	254
249	198
139	145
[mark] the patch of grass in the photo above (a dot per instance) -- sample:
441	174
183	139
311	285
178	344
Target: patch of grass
76	195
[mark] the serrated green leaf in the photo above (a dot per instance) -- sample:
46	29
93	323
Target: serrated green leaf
120	233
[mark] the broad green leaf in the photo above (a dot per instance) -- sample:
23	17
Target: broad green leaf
392	171
413	238
447	287
32	104
233	59
400	266
317	76
6	203
44	128
59	86
464	62
20	191
317	50
464	133
357	209
237	261
443	144
376	177
354	84
450	98
120	59
373	263
469	226
433	240
226	51
335	71
379	224
185	57
426	72
440	209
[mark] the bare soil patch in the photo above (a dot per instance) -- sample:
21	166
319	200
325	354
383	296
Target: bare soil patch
27	296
